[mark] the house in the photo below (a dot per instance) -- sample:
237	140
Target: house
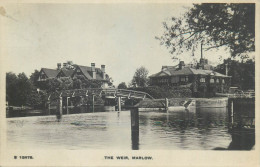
70	70
66	71
92	73
201	79
46	73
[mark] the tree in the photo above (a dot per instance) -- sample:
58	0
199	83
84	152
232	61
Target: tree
18	89
214	25
140	77
11	89
122	85
34	77
242	73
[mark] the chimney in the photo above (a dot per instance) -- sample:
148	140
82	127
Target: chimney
103	69
65	65
58	66
93	70
181	64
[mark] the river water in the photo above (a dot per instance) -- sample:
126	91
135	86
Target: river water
201	129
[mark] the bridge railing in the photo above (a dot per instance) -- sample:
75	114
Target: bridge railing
102	91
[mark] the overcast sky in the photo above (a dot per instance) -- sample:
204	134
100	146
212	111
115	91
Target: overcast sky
121	36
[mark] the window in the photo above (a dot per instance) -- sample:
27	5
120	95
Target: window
212	80
223	80
202	80
184	79
175	79
217	80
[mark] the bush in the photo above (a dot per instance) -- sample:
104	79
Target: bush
165	92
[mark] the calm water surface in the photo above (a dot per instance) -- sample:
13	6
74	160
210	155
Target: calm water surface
203	129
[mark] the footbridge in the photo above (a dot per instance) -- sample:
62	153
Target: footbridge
108	94
102	92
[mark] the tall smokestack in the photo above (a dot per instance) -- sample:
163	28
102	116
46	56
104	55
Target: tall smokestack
93	70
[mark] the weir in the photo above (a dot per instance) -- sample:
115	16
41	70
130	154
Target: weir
241	112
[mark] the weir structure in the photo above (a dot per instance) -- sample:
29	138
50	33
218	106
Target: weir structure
105	93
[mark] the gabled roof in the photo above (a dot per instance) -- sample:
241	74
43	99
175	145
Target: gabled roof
50	73
67	72
187	71
88	73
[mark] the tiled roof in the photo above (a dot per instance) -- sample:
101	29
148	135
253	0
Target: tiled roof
67	72
51	73
88	74
187	71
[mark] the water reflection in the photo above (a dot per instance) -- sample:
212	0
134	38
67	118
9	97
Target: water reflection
201	129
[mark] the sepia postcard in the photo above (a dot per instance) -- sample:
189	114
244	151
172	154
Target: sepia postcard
129	83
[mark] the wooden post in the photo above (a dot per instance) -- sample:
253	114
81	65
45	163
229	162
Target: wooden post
49	107
59	109
119	103
68	105
60	106
135	128
93	102
232	112
166	104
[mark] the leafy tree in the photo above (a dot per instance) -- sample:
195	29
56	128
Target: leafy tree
242	73
214	25
11	89
140	77
18	88
34	77
37	99
24	88
80	82
122	85
56	84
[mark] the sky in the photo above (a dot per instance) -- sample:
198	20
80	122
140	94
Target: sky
121	36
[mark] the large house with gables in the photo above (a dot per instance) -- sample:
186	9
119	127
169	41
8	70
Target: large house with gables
201	79
46	73
92	73
70	70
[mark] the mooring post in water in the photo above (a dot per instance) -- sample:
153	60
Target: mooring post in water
60	106
93	102
59	109
232	112
135	128
119	103
67	105
166	104
49	107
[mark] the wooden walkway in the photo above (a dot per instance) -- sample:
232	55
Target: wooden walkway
107	93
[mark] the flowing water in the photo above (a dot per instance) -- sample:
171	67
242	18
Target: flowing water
201	129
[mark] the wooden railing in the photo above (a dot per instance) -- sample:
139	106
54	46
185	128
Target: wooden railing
102	92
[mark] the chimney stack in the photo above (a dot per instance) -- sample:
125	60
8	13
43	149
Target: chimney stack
103	69
58	66
93	70
181	64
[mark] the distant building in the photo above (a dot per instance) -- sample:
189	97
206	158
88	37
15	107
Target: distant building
46	73
201	79
70	70
92	73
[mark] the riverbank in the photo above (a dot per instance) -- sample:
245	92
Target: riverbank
184	102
